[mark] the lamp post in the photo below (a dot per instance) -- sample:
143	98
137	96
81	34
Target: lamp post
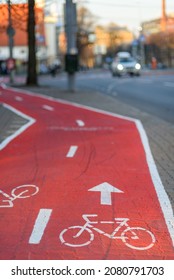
142	40
71	58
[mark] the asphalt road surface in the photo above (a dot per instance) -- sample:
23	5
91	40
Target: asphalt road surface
152	93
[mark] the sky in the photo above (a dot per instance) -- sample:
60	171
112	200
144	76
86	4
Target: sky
128	13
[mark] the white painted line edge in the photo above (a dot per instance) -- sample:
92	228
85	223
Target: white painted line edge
47	107
18	98
160	191
65	102
72	151
39	226
80	123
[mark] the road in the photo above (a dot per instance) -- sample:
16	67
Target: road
150	93
77	168
149	98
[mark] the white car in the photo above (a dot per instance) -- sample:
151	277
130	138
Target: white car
125	64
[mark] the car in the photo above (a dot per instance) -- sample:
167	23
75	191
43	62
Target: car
123	64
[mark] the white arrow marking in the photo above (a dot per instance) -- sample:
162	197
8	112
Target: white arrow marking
106	189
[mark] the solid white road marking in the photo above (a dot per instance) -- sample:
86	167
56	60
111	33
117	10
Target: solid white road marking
49	108
80	123
72	151
18	98
40	225
106	190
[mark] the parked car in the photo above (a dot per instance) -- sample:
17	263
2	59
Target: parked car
124	63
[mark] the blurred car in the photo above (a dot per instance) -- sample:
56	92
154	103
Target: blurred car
123	64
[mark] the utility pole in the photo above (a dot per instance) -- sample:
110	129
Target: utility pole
71	58
10	33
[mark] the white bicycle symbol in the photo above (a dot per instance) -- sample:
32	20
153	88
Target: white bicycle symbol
23	191
134	237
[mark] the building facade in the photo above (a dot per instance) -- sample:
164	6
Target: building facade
19	14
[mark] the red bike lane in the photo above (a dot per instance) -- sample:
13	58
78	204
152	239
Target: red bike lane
90	189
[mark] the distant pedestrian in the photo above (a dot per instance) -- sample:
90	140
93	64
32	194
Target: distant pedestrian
154	63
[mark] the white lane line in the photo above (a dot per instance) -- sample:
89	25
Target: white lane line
40	225
80	123
18	98
72	151
110	88
169	84
49	108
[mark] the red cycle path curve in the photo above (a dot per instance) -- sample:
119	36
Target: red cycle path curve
66	152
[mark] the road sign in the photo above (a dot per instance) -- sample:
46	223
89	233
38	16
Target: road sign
97	190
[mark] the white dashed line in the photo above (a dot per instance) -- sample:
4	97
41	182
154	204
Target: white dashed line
72	151
18	98
40	225
49	108
80	123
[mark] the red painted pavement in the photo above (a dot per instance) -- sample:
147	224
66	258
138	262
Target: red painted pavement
108	150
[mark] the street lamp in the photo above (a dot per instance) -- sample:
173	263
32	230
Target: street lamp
71	58
142	40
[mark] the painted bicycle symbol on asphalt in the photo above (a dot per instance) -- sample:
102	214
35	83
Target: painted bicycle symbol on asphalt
134	237
23	191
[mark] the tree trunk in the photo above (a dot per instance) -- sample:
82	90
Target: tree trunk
31	71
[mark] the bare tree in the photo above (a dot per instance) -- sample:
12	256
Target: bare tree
86	23
164	41
31	72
